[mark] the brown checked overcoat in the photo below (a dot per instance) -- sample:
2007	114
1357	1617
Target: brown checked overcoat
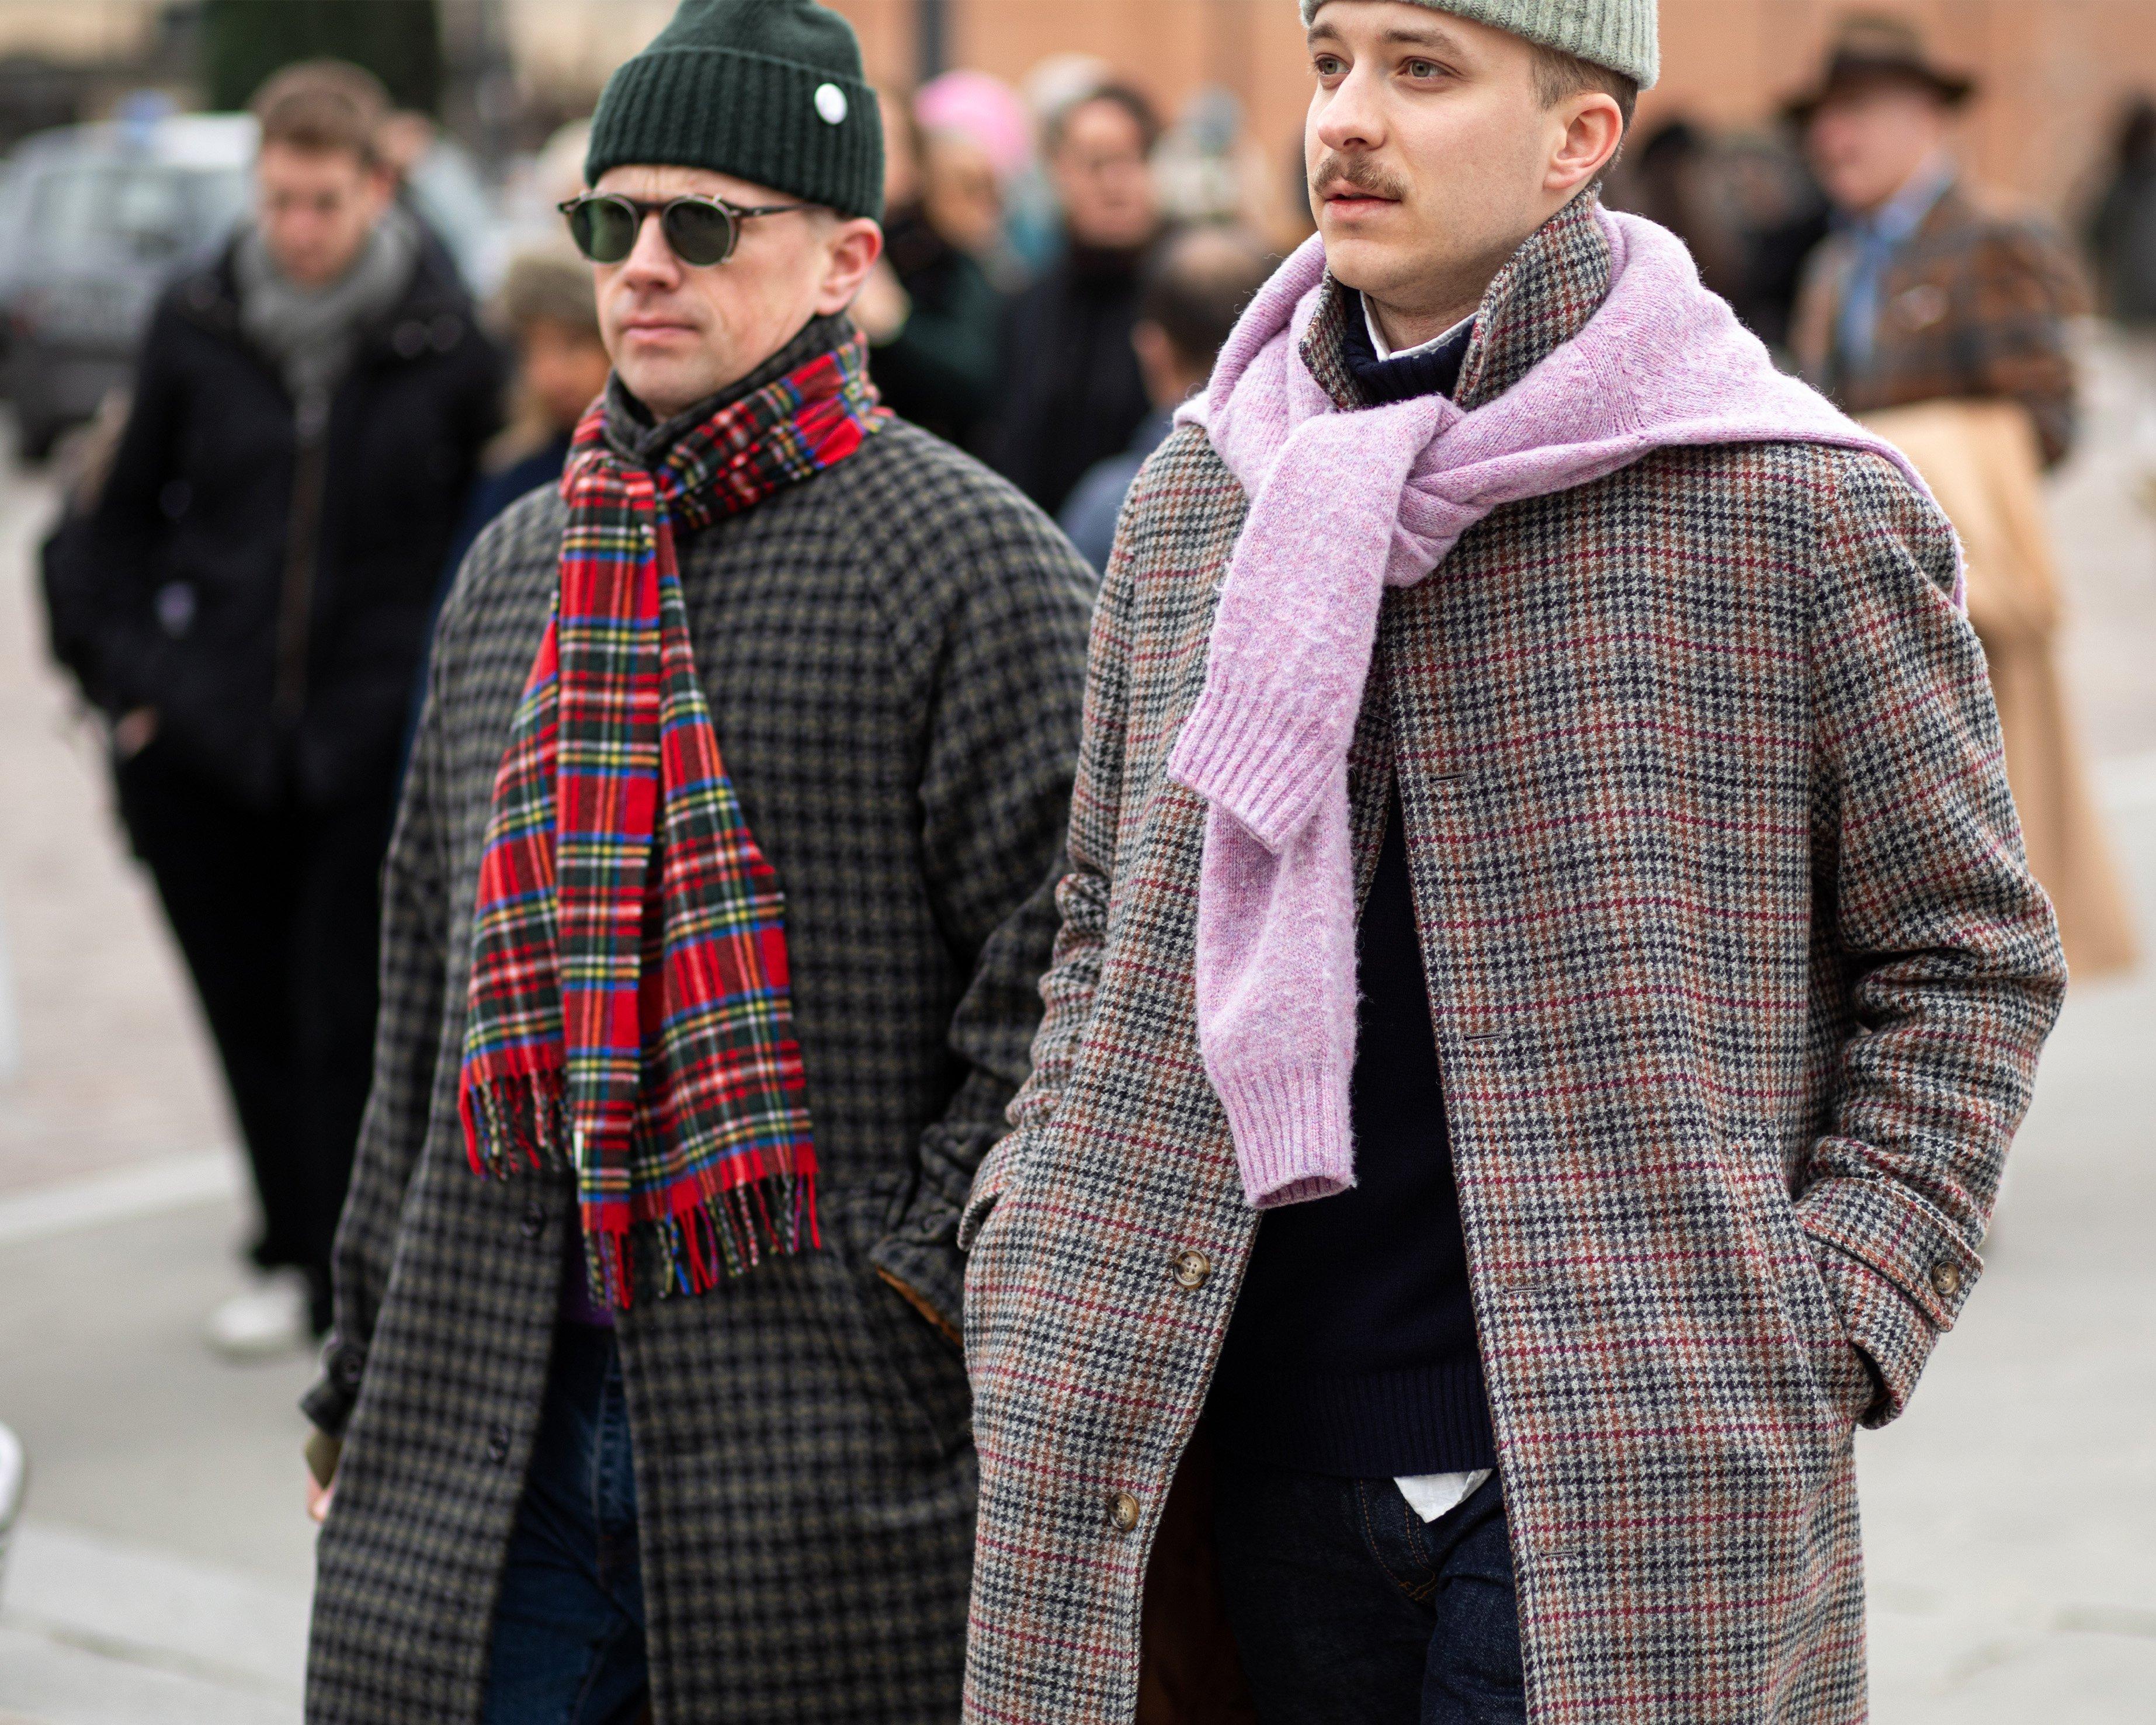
1739	982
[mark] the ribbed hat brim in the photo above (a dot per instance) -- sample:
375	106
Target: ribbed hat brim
1623	35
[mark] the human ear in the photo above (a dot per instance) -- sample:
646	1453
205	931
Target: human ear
850	253
1594	127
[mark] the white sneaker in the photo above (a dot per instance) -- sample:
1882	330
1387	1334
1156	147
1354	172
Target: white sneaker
14	1472
270	1319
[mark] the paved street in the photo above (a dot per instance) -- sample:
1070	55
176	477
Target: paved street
162	1571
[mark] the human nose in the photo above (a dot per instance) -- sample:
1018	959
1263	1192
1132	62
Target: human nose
1349	117
651	262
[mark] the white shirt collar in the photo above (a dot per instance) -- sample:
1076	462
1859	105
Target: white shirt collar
1385	353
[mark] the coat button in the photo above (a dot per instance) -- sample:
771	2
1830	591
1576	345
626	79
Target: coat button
1123	1512
1946	1278
535	1220
497	1444
350	1367
1192	1270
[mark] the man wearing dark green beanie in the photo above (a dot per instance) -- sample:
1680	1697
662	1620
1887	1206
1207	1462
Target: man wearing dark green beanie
712	927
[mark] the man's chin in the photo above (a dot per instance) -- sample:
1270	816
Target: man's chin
665	390
1364	260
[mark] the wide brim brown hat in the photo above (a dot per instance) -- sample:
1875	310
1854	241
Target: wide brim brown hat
1869	49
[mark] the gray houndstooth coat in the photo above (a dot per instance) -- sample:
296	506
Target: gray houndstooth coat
1739	982
894	655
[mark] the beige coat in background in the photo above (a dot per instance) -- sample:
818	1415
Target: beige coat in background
1982	461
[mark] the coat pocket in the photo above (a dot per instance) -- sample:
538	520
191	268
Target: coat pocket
1838	1374
998	1167
905	1362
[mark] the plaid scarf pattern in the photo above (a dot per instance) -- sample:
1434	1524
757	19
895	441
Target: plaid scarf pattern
630	1015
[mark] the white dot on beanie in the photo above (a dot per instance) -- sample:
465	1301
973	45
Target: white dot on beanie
830	103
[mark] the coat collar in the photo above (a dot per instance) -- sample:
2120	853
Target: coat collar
433	314
1540	300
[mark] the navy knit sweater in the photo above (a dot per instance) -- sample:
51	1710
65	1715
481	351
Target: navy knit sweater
1352	1348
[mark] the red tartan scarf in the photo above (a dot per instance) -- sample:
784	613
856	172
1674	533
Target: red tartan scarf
630	1016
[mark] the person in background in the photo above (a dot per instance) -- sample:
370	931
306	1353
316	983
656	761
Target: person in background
546	308
1943	325
1196	287
1921	292
645	1393
1781	216
962	196
247	600
980	156
928	309
1072	392
1671	178
2122	227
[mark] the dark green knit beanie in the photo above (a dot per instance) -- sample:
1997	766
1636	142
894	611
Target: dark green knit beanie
768	90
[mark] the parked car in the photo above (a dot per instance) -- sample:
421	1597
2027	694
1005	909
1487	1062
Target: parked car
101	215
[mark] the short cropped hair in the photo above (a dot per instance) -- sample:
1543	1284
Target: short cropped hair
322	105
1559	74
1197	287
1132	101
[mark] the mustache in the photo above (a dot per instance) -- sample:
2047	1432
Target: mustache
1340	169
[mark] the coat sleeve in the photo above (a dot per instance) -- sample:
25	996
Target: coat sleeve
1002	734
1081	897
407	1033
2016	345
1942	945
99	564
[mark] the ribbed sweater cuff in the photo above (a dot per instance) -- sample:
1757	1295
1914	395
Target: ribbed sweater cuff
1293	1141
1260	759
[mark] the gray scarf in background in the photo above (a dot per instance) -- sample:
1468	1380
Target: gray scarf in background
312	333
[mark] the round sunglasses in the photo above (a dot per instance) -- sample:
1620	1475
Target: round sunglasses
703	231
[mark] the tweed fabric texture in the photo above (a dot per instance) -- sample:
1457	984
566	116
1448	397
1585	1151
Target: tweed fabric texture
631	1019
892	656
767	90
1623	35
1976	304
1739	982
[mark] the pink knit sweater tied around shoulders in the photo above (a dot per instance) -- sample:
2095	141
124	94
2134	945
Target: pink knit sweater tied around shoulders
1344	504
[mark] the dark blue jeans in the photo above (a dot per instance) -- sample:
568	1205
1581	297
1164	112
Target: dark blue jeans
568	1630
1348	1609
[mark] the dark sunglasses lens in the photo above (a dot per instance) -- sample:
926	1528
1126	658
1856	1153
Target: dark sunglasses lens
700	234
604	229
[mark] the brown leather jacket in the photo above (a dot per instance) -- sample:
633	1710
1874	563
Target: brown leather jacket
1974	306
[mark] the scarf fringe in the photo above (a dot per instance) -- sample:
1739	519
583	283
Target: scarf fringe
518	1122
521	1122
691	1252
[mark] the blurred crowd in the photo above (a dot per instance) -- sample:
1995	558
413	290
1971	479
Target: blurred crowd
246	595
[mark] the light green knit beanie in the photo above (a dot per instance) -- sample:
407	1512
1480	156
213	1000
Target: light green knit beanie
1619	34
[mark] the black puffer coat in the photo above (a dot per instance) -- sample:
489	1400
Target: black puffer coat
269	599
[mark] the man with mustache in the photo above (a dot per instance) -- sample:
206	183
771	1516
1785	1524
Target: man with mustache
1547	978
719	894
